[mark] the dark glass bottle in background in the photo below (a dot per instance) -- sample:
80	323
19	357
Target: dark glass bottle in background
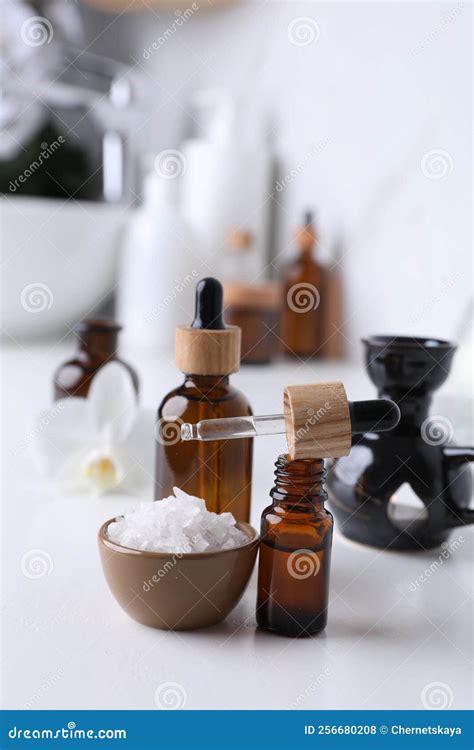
301	322
98	342
219	472
295	551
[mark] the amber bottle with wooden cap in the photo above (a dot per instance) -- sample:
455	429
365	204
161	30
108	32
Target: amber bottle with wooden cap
301	322
296	530
98	342
207	352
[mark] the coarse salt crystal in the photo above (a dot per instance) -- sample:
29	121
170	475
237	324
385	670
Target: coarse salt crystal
179	524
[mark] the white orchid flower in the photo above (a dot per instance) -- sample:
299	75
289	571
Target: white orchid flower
99	443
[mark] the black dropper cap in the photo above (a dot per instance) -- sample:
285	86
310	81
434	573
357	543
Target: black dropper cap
377	415
209	305
308	218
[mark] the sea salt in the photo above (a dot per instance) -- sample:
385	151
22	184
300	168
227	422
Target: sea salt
179	524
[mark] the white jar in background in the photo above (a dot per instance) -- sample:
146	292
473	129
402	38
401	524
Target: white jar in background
159	269
227	181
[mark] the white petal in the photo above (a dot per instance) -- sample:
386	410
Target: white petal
139	448
59	432
112	402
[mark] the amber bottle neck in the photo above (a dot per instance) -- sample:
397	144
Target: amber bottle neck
206	382
98	340
299	483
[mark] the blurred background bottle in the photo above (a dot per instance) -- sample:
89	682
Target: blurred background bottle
302	278
157	276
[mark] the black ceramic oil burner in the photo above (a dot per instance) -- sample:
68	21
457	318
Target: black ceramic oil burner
406	488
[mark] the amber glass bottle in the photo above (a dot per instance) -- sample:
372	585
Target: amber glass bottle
97	345
217	471
295	551
301	323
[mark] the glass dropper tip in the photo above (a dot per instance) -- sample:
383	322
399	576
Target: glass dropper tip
189	431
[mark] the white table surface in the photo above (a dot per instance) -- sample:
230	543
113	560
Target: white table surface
67	644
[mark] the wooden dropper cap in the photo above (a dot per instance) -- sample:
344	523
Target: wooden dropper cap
306	235
317	420
208	346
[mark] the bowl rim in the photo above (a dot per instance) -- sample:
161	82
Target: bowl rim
386	341
109	544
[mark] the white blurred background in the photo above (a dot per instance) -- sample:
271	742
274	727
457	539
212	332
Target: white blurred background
384	88
363	112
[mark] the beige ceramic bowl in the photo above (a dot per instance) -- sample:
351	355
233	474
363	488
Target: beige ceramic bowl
177	592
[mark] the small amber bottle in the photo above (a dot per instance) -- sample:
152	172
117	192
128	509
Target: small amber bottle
207	352
97	346
301	322
295	551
